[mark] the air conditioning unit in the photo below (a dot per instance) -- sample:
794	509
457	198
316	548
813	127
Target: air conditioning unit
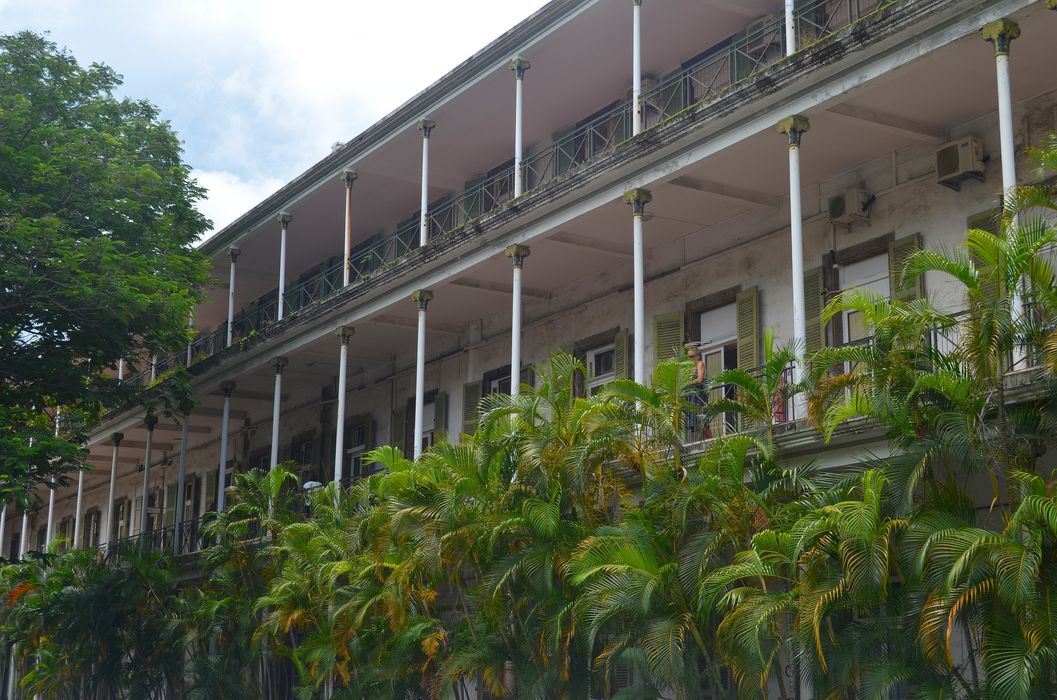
849	207
960	160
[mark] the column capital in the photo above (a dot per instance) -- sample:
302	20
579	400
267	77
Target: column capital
519	66
422	297
284	219
279	363
638	198
1001	34
517	254
233	254
228	387
794	127
345	332
117	438
426	126
349	176
636	3
150	421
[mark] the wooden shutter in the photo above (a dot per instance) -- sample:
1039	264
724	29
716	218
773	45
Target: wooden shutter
398	429
528	376
170	504
211	490
621	356
471	406
748	313
898	253
440	416
667	336
814	302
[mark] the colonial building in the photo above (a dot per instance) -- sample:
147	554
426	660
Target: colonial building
616	178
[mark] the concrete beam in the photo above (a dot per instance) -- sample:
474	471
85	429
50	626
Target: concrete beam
891	122
206	412
138	445
595	244
500	287
402	322
173	428
729	191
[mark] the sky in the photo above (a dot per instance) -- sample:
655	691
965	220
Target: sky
258	90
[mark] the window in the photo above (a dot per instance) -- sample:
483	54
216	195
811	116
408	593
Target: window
429	421
90	529
601	368
869	275
42	537
719	352
499	385
355	448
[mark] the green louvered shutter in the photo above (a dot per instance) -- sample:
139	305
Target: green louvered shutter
748	312
471	406
898	253
814	302
668	336
620	355
440	416
398	429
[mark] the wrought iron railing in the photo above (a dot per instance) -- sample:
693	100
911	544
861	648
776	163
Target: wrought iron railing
169	540
700	427
733	60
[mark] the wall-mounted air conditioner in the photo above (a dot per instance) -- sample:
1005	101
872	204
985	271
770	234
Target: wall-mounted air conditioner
849	207
960	160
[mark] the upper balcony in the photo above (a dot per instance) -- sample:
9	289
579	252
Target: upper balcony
701	74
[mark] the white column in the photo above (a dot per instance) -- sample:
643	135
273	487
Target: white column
277	399
150	422
638	199
636	67
112	494
422	297
78	504
794	128
227	388
233	256
49	529
181	478
517	255
426	126
519	66
1001	34
790	27
23	542
153	367
348	177
284	222
344	333
3	527
191	328
121	369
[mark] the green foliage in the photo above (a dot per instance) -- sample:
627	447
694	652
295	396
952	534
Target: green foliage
97	227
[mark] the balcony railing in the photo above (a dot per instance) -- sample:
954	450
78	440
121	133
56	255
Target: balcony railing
699	428
168	540
730	62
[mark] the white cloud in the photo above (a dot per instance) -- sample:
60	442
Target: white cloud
230	196
260	89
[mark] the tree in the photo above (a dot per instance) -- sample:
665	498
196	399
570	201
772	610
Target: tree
97	228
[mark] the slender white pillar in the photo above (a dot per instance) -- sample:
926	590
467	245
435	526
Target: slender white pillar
277	399
344	333
638	199
636	67
348	177
790	27
517	255
284	222
23	542
121	370
233	256
49	530
191	328
794	128
3	527
519	66
227	388
78	504
1001	34
153	367
422	297
150	422
181	479
112	493
426	126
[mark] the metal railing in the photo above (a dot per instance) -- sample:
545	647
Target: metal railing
179	540
733	60
700	428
